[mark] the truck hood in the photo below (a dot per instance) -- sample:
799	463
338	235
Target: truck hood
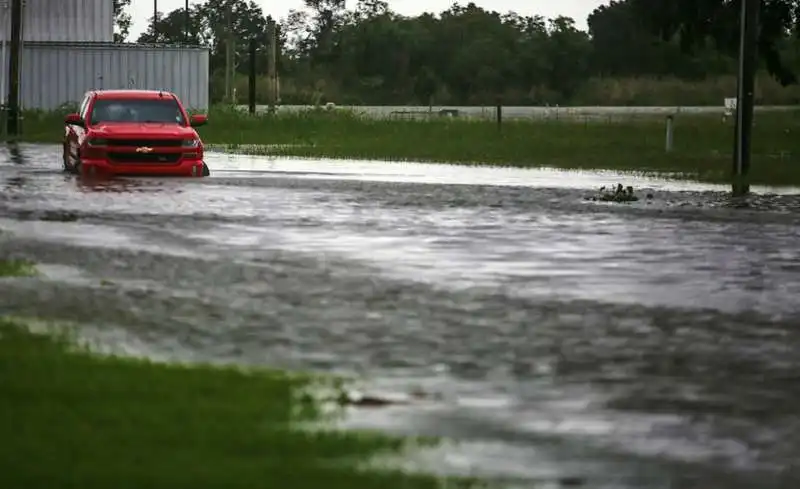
142	129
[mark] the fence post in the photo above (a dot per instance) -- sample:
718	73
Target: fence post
499	113
271	63
670	132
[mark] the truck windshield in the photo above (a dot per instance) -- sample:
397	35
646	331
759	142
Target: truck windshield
164	111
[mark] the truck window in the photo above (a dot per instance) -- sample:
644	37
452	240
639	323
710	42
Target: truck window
165	111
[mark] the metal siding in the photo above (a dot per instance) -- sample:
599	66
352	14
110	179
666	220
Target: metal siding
55	74
62	20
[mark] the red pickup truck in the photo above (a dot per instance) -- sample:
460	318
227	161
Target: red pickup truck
133	132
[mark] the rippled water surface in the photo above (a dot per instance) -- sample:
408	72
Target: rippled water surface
562	341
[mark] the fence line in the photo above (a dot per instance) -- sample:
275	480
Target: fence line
522	112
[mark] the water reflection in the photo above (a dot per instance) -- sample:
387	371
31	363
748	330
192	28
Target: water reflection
120	185
15	182
105	184
16	155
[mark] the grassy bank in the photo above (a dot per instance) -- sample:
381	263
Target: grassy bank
16	268
703	144
70	418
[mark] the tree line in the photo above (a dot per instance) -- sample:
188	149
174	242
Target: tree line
637	52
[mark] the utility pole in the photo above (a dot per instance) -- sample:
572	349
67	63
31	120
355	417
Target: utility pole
155	20
188	21
277	55
13	67
228	54
745	96
251	87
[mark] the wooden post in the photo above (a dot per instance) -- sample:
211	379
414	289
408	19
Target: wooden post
277	58
670	132
252	78
499	111
271	71
228	54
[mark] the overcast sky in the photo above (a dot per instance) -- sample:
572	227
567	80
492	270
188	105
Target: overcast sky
142	10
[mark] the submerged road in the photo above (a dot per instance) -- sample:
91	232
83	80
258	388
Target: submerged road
648	345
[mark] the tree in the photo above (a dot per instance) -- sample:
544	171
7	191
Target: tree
425	86
208	26
327	16
468	55
299	38
697	21
615	25
568	50
645	53
171	28
370	9
247	21
122	20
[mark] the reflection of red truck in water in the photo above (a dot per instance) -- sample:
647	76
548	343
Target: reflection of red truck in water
133	132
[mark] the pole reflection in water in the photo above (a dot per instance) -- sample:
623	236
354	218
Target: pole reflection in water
15	155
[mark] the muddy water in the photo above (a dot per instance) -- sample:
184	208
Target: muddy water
563	342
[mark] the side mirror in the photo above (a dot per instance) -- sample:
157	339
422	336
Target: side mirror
198	120
74	119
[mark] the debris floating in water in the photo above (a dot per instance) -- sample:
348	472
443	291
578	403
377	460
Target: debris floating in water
617	194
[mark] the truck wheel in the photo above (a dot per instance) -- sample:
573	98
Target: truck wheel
76	167
206	171
67	167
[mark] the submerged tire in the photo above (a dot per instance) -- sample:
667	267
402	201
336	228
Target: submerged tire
67	167
76	166
206	171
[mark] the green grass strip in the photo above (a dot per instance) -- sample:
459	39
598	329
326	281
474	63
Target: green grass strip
17	268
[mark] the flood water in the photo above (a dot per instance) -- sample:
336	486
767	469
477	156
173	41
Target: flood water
563	342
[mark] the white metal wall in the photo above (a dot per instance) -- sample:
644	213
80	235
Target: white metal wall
53	74
61	20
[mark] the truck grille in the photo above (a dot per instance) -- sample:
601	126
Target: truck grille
144	157
150	143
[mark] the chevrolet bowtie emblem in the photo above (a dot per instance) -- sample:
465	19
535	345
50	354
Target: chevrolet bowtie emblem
144	149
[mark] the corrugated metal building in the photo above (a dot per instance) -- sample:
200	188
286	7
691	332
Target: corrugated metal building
62	20
68	49
53	74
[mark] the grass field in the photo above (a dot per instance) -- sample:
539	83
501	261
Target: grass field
73	418
70	418
703	144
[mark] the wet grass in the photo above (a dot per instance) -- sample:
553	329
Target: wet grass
703	144
71	418
17	268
